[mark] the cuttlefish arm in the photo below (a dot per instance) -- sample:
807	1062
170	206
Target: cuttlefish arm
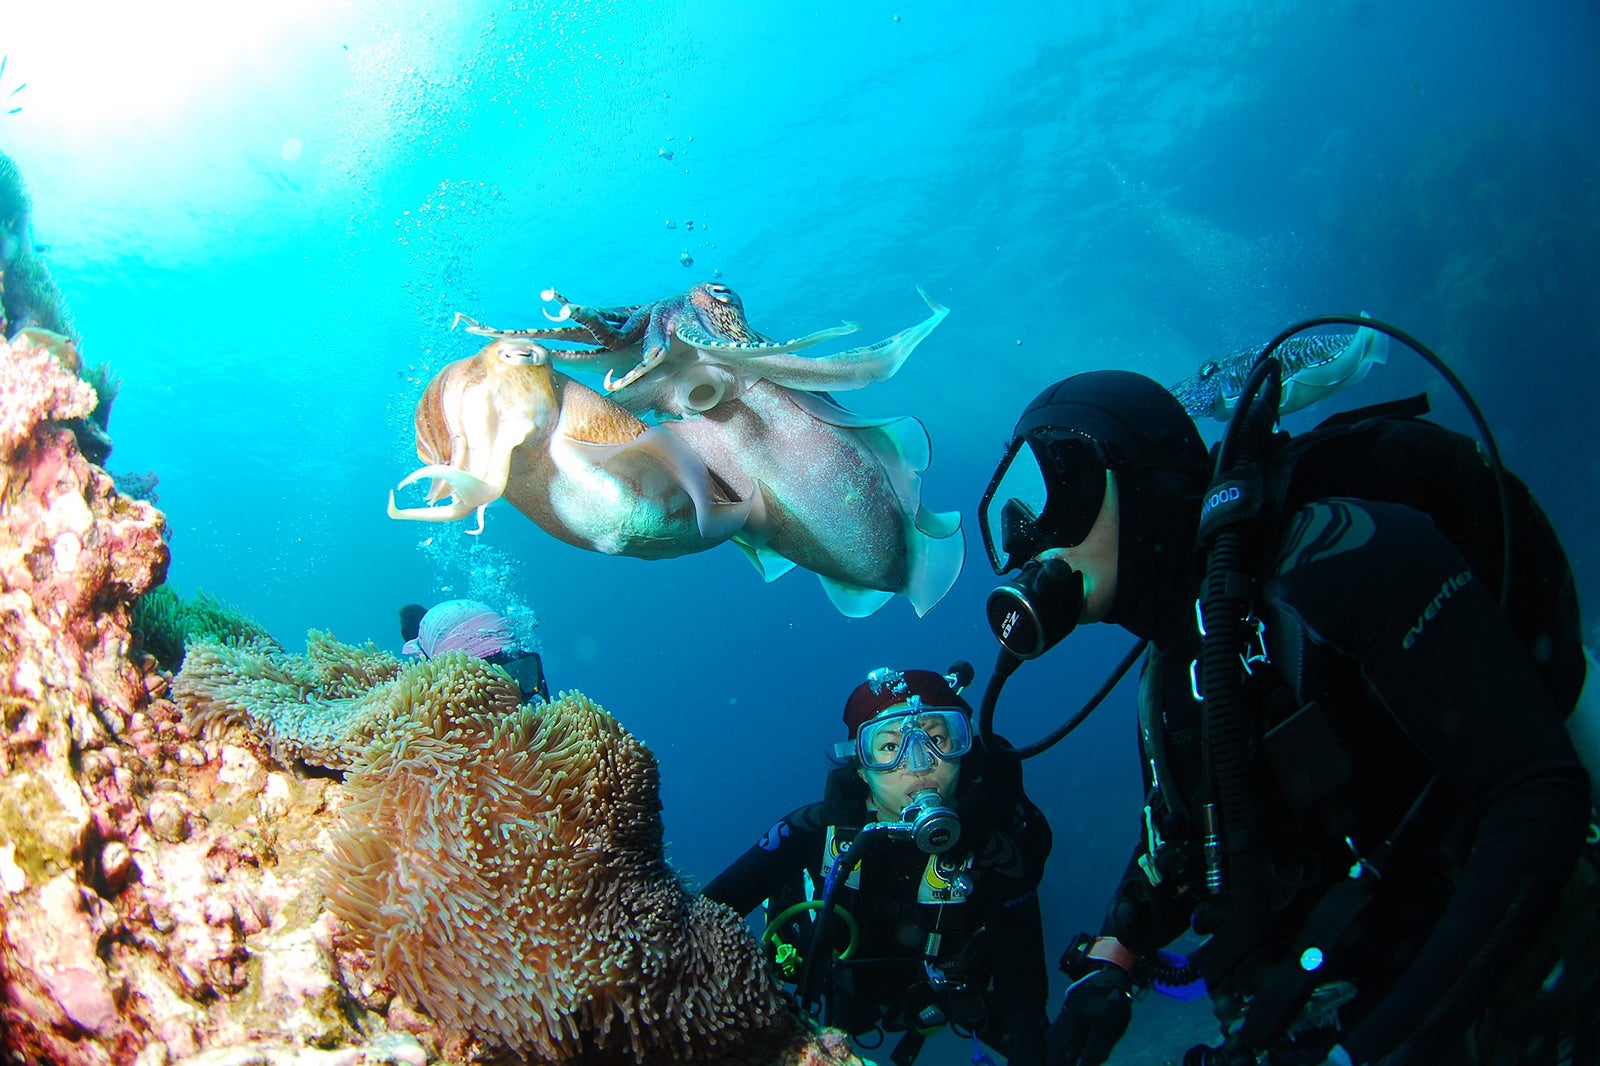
528	339
844	371
468	493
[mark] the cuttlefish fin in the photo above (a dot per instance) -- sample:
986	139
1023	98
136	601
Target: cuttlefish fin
719	514
768	563
936	550
468	493
853	369
936	553
853	601
1367	348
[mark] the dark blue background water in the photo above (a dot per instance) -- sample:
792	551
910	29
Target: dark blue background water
266	228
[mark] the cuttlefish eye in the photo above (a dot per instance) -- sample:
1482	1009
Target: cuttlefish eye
720	292
1208	368
524	355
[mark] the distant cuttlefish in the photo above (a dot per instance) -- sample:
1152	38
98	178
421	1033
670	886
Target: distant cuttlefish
1313	367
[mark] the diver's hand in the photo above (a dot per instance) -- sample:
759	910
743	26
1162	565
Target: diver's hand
1093	1018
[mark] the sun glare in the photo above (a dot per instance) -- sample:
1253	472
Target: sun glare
91	66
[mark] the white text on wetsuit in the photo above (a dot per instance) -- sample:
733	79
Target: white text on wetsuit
1451	586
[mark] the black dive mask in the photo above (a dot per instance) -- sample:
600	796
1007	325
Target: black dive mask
1046	493
1033	611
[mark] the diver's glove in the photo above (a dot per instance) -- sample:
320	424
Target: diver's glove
1093	1018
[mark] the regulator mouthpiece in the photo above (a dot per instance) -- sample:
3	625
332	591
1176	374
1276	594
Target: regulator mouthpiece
1032	612
934	827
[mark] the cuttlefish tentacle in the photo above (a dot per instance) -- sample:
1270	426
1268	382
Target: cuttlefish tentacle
468	493
527	338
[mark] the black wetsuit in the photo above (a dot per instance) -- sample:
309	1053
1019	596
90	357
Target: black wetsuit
1372	613
991	946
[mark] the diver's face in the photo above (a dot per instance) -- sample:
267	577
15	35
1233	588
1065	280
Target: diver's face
1096	557
892	789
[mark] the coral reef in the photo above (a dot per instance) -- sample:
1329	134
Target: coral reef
28	297
170	893
502	866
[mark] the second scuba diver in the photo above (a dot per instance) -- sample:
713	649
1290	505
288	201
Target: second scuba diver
1400	807
479	630
920	867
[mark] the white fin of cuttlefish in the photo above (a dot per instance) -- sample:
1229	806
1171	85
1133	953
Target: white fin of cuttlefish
844	371
1305	387
768	563
468	493
936	549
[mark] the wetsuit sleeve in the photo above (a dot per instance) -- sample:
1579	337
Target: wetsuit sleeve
1021	981
791	846
1379	587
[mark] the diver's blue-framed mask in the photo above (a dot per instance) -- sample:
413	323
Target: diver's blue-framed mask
914	738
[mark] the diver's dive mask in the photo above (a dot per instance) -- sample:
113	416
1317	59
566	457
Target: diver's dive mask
917	738
1046	493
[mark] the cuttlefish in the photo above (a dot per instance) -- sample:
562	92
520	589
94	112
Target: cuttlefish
838	494
505	424
668	339
1314	366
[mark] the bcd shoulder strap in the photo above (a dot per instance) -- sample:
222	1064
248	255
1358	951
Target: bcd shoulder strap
1389	453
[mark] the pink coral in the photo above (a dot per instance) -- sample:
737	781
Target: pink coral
36	388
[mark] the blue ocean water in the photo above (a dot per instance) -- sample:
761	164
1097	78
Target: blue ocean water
266	223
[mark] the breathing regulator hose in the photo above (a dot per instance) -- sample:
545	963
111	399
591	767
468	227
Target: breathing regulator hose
1234	851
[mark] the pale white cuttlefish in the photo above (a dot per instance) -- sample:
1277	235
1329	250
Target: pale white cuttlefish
505	424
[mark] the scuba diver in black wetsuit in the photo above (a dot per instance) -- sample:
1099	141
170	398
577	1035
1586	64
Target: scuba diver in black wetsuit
930	856
1367	803
476	628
